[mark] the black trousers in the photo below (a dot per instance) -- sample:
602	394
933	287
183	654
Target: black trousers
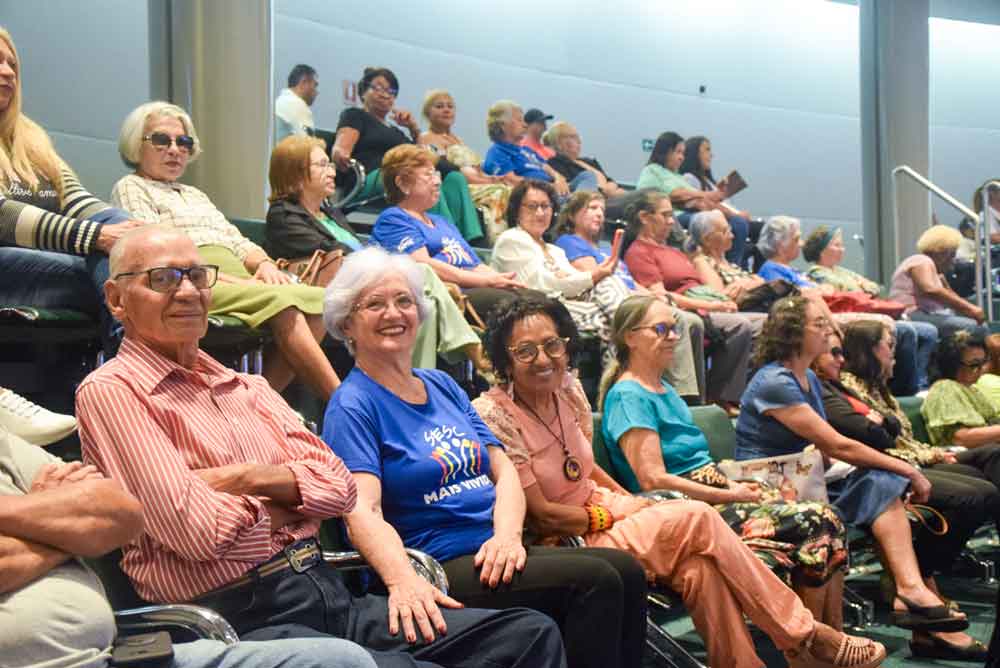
596	595
317	603
967	499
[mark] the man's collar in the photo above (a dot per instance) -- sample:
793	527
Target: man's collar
150	368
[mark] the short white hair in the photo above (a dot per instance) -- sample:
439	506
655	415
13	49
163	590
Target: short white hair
130	137
700	226
359	272
497	116
776	231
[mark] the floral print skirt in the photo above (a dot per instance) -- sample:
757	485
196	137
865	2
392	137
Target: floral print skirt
802	537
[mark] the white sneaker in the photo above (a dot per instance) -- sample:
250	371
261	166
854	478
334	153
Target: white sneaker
32	422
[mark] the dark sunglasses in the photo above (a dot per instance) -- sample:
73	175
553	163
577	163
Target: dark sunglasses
837	351
168	279
162	140
975	364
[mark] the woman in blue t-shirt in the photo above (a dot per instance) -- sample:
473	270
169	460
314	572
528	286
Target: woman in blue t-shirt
433	477
782	411
579	226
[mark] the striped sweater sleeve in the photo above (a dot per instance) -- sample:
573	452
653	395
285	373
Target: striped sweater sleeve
69	231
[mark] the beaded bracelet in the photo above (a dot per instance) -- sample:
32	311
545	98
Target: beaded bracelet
599	518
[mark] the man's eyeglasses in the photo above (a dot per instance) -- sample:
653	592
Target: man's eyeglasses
161	140
379	305
391	92
526	353
975	364
661	329
168	279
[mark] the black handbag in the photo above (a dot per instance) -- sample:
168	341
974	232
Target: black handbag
761	298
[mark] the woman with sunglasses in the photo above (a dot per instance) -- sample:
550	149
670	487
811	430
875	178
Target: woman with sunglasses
654	444
158	140
858	404
782	412
432	476
956	410
369	132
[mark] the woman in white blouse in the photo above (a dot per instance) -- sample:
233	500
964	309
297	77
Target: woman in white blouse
158	140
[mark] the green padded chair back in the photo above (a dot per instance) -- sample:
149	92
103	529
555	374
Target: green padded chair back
911	406
718	429
600	448
251	228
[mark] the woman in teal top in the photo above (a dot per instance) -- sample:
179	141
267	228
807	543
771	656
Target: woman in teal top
661	173
654	444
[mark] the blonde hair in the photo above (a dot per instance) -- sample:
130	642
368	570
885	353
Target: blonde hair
401	161
26	152
629	314
431	97
938	239
290	163
130	137
555	133
497	115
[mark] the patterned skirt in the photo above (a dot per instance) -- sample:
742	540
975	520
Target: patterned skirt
804	537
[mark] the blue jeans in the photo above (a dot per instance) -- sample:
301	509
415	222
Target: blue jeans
44	279
949	324
316	603
741	230
585	180
915	341
286	653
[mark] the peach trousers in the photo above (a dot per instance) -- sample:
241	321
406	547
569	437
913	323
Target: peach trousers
688	545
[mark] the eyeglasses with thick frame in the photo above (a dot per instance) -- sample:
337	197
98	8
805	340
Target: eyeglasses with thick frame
535	207
661	329
168	279
161	141
391	92
554	348
975	364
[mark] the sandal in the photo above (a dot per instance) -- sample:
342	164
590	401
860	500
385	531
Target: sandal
927	617
853	652
937	648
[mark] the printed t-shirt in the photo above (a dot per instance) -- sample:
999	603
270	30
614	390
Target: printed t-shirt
399	232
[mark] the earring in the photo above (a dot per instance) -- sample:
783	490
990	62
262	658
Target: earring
350	341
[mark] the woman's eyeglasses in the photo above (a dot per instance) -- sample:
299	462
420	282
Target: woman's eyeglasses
539	206
161	140
168	279
661	329
379	305
837	351
526	353
391	92
975	364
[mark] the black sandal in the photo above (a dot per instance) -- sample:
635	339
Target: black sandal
937	648
927	617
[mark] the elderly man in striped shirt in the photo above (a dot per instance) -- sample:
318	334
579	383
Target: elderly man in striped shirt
234	487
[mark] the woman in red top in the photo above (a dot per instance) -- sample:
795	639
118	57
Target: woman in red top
659	267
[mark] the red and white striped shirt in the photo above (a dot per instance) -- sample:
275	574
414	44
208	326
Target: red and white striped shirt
150	423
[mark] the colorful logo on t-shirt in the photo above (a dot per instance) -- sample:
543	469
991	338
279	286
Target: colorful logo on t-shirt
404	243
454	252
457	455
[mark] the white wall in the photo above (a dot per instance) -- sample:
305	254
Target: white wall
84	66
781	103
965	109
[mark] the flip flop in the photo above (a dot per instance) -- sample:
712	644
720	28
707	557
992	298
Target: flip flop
937	648
926	617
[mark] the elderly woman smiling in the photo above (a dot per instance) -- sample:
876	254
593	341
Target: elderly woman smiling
432	476
158	140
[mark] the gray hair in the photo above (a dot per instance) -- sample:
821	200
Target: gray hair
700	227
555	133
776	231
130	137
360	271
497	116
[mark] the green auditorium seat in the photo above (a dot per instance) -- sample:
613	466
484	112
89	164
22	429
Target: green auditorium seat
252	228
911	406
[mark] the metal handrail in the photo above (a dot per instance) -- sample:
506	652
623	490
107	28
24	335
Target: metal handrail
954	203
987	225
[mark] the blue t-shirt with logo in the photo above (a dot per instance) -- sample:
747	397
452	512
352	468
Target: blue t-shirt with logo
576	246
399	232
503	158
432	459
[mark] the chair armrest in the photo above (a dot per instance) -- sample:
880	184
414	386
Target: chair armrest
662	495
572	541
202	622
424	564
